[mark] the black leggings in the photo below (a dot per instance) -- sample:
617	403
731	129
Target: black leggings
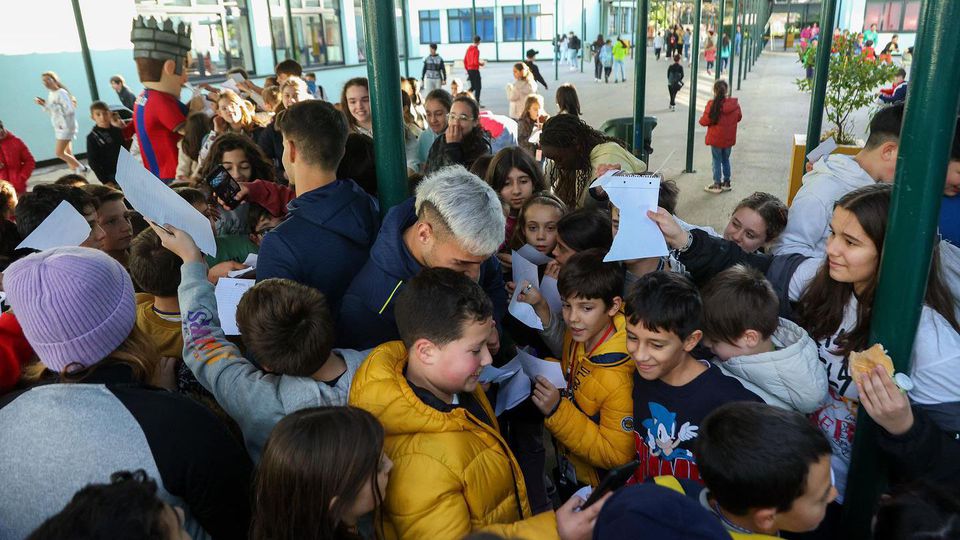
474	76
597	68
674	88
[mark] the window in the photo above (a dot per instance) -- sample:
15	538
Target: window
220	32
430	26
460	25
316	26
892	15
512	23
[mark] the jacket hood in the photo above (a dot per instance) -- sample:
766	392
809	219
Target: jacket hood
389	253
843	169
333	208
729	105
381	388
791	376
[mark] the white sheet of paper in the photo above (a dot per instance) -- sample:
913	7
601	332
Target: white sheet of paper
512	393
231	84
534	366
251	265
535	136
257	99
531	254
550	293
63	227
236	78
490	374
638	236
584	493
228	294
823	149
160	204
524	270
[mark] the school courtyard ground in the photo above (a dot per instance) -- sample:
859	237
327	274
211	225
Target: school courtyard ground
773	111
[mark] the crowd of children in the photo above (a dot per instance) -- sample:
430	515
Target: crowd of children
716	381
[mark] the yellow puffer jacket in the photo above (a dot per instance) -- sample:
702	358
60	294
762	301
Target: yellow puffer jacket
595	427
452	474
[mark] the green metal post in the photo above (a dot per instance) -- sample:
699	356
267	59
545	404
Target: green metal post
523	30
294	50
640	77
747	40
925	140
556	36
828	10
733	43
383	73
85	51
694	72
583	33
406	37
496	40
720	28
473	19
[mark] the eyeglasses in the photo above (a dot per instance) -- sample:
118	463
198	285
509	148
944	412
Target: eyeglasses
460	117
263	231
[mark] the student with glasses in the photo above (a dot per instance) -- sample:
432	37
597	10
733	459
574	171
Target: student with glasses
463	141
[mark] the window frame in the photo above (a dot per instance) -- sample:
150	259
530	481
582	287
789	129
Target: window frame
430	20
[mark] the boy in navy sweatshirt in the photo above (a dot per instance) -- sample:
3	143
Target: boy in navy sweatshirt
672	390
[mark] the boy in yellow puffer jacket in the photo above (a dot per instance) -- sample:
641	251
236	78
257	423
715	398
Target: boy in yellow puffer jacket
453	473
592	418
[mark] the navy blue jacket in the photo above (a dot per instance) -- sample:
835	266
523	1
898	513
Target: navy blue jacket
324	241
366	315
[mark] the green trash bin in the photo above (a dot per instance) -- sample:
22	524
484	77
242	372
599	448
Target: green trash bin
622	128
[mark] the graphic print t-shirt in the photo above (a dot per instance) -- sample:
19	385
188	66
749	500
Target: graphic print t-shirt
667	418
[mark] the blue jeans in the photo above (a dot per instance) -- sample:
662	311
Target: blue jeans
618	66
721	160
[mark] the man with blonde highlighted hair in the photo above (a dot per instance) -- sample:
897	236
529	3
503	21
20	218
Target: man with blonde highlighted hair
454	221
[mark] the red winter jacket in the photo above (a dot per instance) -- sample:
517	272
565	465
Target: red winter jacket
273	197
471	60
16	162
15	352
723	134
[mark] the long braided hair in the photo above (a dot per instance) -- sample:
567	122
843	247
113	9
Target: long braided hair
575	136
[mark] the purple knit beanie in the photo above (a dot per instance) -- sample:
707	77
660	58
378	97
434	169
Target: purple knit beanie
75	305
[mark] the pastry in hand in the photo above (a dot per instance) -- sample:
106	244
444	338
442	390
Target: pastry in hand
862	363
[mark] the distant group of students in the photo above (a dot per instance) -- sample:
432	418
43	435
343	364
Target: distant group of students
351	405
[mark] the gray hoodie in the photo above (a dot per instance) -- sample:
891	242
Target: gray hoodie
255	399
789	377
808	224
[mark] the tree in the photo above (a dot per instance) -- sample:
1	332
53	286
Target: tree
852	82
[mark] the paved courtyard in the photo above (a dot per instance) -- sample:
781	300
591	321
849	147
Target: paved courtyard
773	111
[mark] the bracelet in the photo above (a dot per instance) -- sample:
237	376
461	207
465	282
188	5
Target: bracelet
687	244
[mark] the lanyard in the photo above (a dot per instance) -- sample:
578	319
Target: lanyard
573	357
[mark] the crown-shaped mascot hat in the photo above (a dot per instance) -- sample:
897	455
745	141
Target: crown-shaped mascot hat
157	39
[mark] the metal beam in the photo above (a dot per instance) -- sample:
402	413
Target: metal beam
828	10
925	141
694	69
556	36
583	33
733	43
640	77
85	51
294	50
719	57
406	39
383	72
523	30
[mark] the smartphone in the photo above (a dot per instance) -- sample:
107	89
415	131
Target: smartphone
224	186
614	480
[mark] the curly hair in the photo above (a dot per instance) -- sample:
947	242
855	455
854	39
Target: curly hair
578	138
261	167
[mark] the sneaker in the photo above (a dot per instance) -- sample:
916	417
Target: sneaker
726	186
713	188
82	169
673	107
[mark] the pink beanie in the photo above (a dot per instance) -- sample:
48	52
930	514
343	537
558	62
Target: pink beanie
75	305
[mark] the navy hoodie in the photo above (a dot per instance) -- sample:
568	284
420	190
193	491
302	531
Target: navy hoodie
366	315
324	241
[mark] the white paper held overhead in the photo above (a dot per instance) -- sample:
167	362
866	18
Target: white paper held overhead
638	236
228	294
823	149
160	204
524	270
63	227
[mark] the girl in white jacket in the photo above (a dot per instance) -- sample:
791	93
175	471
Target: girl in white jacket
62	108
520	88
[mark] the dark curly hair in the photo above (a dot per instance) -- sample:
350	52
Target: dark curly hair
578	138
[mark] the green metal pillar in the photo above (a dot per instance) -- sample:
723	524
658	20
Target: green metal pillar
747	40
925	140
720	28
473	19
406	38
496	39
85	52
583	33
733	43
640	77
828	11
694	72
383	73
523	30
556	36
294	50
